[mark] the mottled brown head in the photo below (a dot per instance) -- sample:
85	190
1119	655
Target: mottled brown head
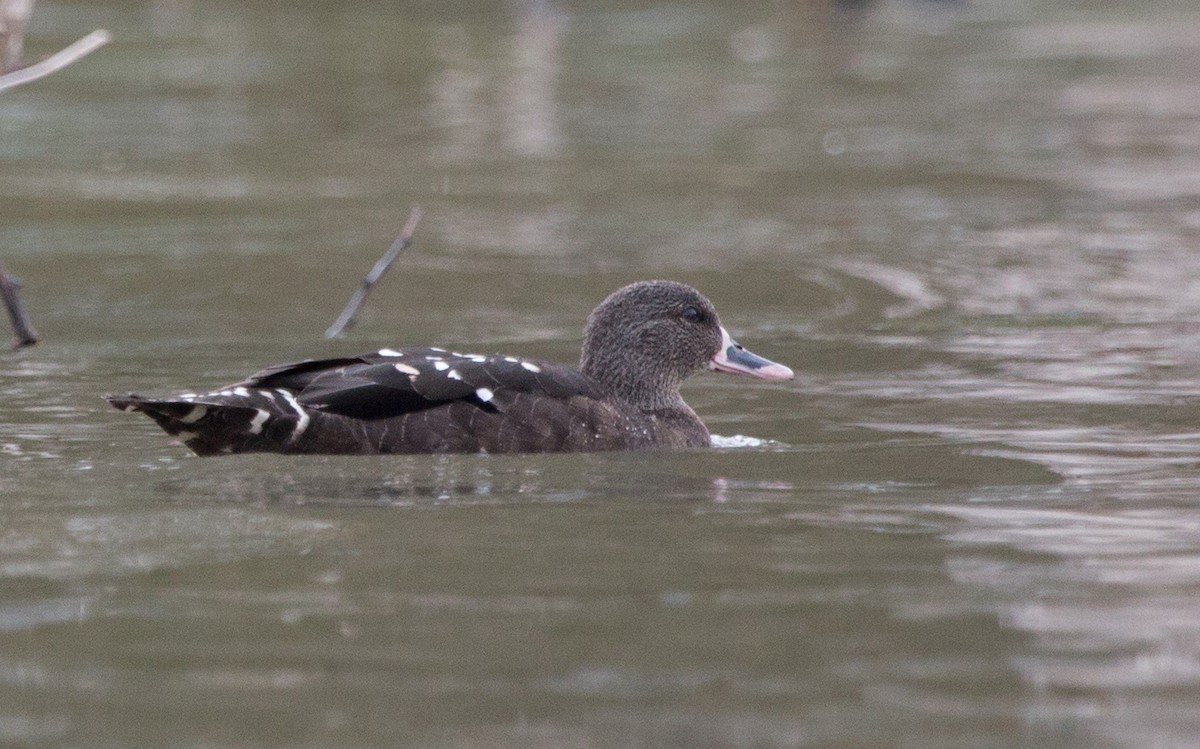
645	339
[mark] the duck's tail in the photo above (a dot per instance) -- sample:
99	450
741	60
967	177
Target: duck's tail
218	424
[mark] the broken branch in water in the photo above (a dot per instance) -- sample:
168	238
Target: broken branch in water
346	319
26	336
56	61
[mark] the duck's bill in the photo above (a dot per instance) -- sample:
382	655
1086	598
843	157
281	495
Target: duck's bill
734	358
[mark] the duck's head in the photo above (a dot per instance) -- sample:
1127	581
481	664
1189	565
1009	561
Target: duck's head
647	338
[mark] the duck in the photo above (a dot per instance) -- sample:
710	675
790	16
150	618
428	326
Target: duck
639	345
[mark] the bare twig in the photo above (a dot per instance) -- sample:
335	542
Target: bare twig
56	61
26	336
346	319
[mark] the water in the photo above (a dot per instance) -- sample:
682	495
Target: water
970	521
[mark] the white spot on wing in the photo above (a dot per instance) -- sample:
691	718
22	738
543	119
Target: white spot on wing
454	375
406	369
476	357
241	392
260	418
530	366
390	352
302	423
484	394
441	366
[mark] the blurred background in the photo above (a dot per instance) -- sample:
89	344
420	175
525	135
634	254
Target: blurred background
970	227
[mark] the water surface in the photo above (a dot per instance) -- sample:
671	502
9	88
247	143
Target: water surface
970	521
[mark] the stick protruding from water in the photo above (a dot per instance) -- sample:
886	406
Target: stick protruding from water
57	61
346	319
26	335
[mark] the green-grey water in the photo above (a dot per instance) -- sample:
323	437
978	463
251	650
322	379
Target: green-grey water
971	521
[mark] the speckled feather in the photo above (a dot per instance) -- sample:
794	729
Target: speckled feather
638	347
376	404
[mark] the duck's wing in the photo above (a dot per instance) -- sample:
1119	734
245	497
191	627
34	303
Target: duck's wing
391	383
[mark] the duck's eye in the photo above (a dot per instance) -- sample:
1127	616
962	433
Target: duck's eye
691	314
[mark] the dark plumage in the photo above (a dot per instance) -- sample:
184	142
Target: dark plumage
639	345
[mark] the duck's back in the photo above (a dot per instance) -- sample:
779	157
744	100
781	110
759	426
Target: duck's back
415	401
